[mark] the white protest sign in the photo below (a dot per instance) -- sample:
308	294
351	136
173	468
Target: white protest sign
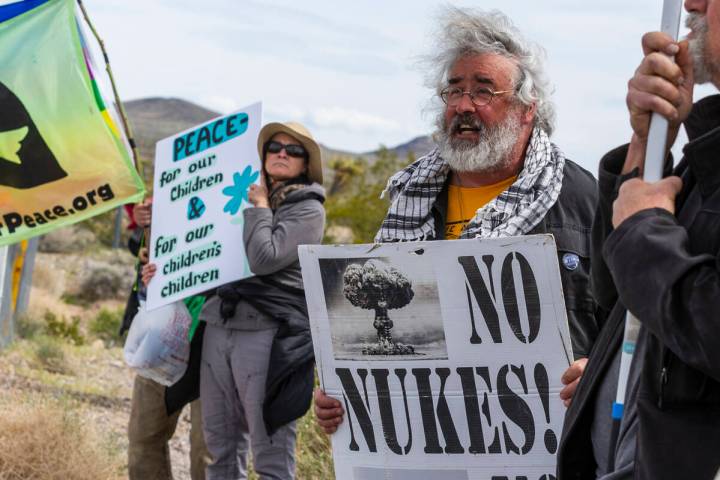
446	355
202	177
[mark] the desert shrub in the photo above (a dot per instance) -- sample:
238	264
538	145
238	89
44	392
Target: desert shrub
73	299
339	234
48	442
106	325
49	354
58	327
101	282
47	276
103	228
74	238
354	195
27	326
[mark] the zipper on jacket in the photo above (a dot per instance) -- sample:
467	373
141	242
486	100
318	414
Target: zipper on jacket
664	366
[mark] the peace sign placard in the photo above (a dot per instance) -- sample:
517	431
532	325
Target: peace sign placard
202	177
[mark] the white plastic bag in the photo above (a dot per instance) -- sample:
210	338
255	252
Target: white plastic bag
157	345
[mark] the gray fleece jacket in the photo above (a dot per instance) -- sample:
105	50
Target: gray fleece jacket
271	242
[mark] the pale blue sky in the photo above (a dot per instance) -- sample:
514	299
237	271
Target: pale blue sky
348	69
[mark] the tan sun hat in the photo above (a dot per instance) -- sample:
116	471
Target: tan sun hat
298	131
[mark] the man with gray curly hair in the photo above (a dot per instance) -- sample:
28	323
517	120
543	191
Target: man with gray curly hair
465	36
494	172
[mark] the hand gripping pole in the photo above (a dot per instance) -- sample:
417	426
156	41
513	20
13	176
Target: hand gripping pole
652	172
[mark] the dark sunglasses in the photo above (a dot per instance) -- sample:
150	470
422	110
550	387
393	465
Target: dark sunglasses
291	149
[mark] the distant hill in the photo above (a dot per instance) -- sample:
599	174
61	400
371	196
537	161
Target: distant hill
155	118
419	146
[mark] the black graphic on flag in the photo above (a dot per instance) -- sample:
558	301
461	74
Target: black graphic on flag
25	159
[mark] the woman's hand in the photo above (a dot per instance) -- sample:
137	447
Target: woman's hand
258	194
148	272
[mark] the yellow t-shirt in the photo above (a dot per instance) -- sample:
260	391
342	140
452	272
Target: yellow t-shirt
463	202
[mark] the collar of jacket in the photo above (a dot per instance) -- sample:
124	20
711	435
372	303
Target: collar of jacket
439	211
701	153
313	190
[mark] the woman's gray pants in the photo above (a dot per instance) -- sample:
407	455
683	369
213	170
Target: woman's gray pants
232	389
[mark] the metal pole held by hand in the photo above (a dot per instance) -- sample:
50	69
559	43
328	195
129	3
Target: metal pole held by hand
652	172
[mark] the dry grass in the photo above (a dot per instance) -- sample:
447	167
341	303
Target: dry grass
94	407
57	275
49	354
45	277
41	439
313	455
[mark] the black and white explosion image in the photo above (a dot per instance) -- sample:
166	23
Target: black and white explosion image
380	309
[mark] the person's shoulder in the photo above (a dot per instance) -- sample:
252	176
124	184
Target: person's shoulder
704	117
579	174
426	166
313	192
578	197
578	183
308	199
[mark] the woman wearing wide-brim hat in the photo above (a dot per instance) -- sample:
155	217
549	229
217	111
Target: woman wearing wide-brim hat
257	361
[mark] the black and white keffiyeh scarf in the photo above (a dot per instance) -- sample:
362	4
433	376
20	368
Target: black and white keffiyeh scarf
515	211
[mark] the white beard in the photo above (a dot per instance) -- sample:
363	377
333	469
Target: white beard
704	67
492	151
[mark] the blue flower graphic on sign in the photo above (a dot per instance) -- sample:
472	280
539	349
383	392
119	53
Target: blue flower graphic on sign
239	191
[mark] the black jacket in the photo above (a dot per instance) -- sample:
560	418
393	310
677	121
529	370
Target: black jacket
290	377
667	271
570	222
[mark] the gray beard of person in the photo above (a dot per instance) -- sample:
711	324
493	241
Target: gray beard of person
492	151
704	67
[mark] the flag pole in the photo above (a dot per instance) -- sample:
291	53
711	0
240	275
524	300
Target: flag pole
121	109
655	154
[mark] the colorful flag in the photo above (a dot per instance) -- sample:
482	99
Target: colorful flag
63	158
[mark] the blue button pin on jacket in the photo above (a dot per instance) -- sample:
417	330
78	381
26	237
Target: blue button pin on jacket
570	261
